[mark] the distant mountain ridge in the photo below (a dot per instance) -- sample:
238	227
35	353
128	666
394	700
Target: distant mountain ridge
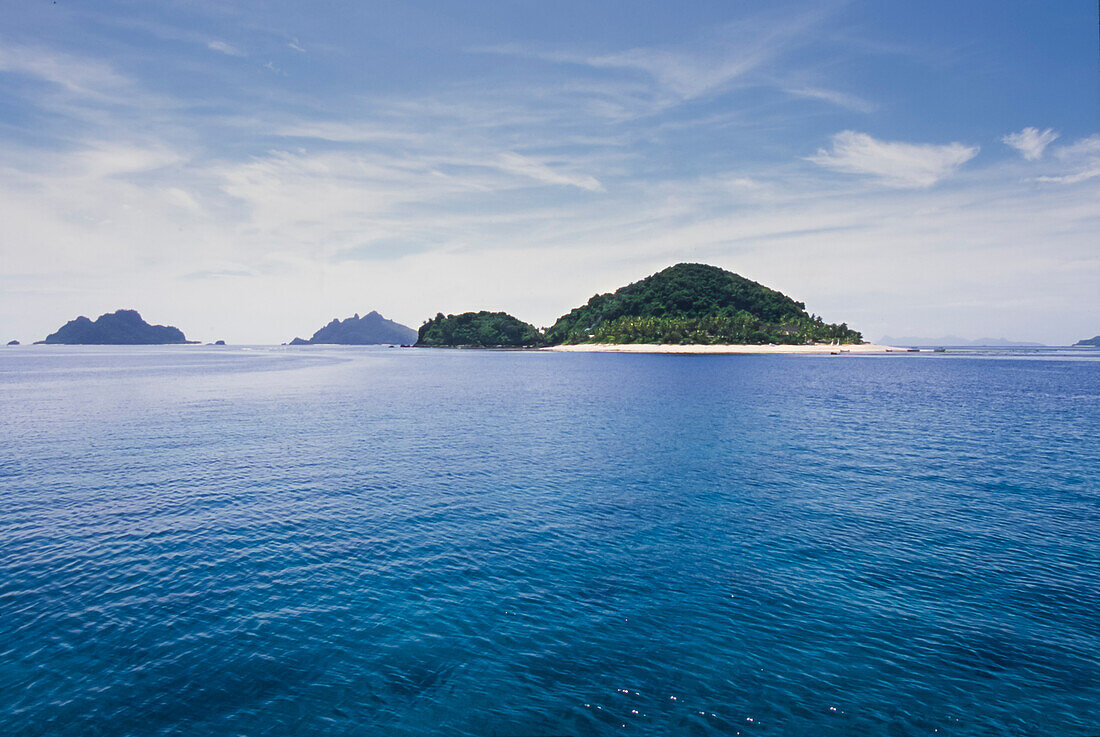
1093	342
954	340
122	327
370	329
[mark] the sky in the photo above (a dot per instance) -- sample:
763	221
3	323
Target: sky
247	171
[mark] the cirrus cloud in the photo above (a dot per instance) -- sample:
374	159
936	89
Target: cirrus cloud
894	163
1082	159
1030	142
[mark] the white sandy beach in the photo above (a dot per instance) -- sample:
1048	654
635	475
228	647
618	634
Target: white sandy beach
816	349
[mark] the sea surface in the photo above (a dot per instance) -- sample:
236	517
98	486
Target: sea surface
345	541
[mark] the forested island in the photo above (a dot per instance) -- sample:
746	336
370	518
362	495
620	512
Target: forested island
683	304
122	327
370	329
1093	342
479	329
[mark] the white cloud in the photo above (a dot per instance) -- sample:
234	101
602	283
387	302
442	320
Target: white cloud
340	132
182	198
111	159
894	163
223	48
1082	159
686	75
711	65
840	99
87	77
527	167
1031	142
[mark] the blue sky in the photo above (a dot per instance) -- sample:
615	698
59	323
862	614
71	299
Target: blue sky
248	171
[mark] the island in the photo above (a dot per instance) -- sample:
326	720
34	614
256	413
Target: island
13	342
370	329
686	307
122	327
955	341
478	330
696	304
1089	342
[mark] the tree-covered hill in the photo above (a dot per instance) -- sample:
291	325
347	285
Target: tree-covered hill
695	303
479	329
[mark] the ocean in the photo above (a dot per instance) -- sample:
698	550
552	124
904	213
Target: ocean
373	541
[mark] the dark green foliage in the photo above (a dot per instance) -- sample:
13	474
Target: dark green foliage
695	303
480	329
124	327
740	328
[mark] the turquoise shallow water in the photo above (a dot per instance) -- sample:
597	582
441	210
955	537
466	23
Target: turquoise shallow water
410	542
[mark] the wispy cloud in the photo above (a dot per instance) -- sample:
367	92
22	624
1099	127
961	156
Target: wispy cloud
342	132
713	64
542	172
223	48
106	159
835	97
894	163
79	75
1082	160
1031	142
227	273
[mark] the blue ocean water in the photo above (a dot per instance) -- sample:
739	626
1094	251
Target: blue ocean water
226	541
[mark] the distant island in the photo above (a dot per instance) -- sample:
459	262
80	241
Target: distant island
123	327
1093	342
13	342
954	340
370	329
685	304
479	330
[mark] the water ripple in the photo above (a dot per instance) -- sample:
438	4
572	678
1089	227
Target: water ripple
371	542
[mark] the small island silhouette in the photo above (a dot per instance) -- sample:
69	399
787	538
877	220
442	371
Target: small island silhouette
122	327
370	329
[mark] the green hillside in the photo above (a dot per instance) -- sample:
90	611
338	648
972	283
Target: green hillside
695	303
478	329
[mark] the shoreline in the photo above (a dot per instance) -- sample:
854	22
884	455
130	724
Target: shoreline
769	349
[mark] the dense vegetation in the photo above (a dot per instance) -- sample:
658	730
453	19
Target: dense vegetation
695	303
123	327
370	329
479	329
739	328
